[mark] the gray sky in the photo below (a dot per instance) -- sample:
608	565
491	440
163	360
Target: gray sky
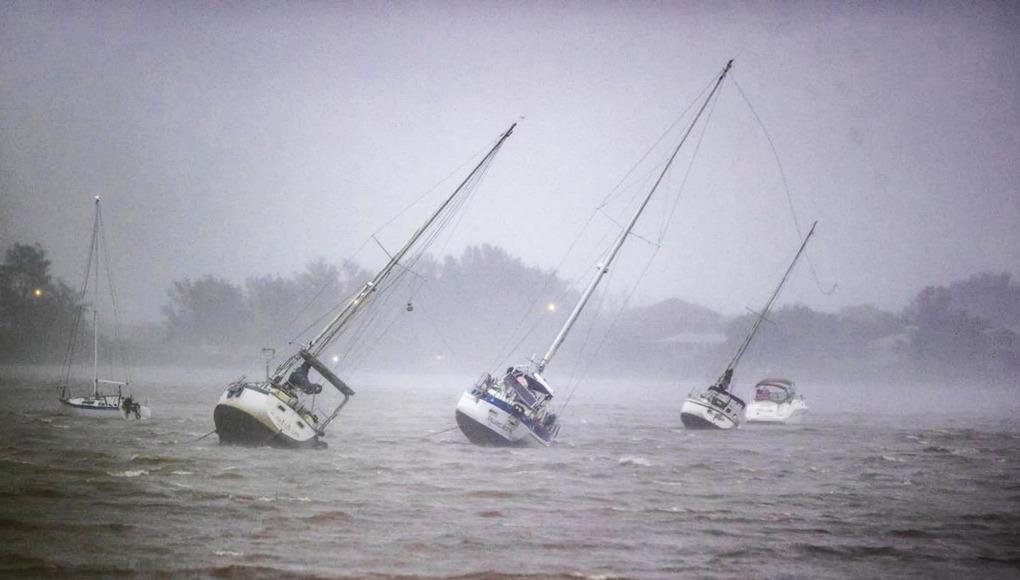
251	138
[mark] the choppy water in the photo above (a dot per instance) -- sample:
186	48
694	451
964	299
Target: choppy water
627	493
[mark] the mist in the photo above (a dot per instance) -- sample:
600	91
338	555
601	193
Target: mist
314	261
200	126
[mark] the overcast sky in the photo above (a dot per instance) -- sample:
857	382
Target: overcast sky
250	138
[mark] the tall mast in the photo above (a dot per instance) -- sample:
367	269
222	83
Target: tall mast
95	353
603	267
95	307
725	378
327	334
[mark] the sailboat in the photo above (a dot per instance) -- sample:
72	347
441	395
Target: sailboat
98	403
515	408
717	407
277	412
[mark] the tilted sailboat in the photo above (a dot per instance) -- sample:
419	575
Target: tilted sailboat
274	412
717	407
516	407
98	403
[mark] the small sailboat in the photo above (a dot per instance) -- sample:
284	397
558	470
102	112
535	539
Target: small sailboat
515	407
280	411
776	401
98	403
717	407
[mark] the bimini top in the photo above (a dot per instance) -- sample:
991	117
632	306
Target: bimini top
785	384
775	390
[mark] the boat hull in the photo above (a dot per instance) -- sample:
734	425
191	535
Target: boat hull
698	413
768	412
483	422
490	421
102	407
256	417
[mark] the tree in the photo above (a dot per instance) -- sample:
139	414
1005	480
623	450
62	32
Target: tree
35	309
210	311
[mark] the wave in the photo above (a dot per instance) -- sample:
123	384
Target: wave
635	460
330	517
128	473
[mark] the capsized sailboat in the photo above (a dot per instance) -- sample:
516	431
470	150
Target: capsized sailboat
98	403
717	407
280	411
515	407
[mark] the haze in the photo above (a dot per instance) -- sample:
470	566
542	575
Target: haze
250	139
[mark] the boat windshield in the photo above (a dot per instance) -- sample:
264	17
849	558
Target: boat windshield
774	393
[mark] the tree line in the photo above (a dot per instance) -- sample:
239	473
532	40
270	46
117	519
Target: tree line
468	312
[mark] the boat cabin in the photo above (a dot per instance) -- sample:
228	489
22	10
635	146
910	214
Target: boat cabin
775	390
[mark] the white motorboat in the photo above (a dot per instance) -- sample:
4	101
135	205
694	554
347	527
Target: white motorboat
96	404
515	407
776	401
280	411
717	407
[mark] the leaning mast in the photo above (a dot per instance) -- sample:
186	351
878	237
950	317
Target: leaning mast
329	332
724	379
603	267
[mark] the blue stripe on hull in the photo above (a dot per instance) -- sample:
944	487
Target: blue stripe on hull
532	426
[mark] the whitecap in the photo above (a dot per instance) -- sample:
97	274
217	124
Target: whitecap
128	473
227	553
634	460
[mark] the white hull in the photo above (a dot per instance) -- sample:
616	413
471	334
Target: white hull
790	412
489	419
705	410
257	415
102	407
485	423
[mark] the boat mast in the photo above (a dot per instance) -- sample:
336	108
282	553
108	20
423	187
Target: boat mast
95	353
603	267
317	344
724	379
95	307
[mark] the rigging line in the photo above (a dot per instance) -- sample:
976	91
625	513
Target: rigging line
635	234
119	347
440	432
538	295
417	200
612	325
308	304
648	152
76	327
327	334
786	187
435	327
460	211
354	340
357	252
356	366
690	167
538	320
591	327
